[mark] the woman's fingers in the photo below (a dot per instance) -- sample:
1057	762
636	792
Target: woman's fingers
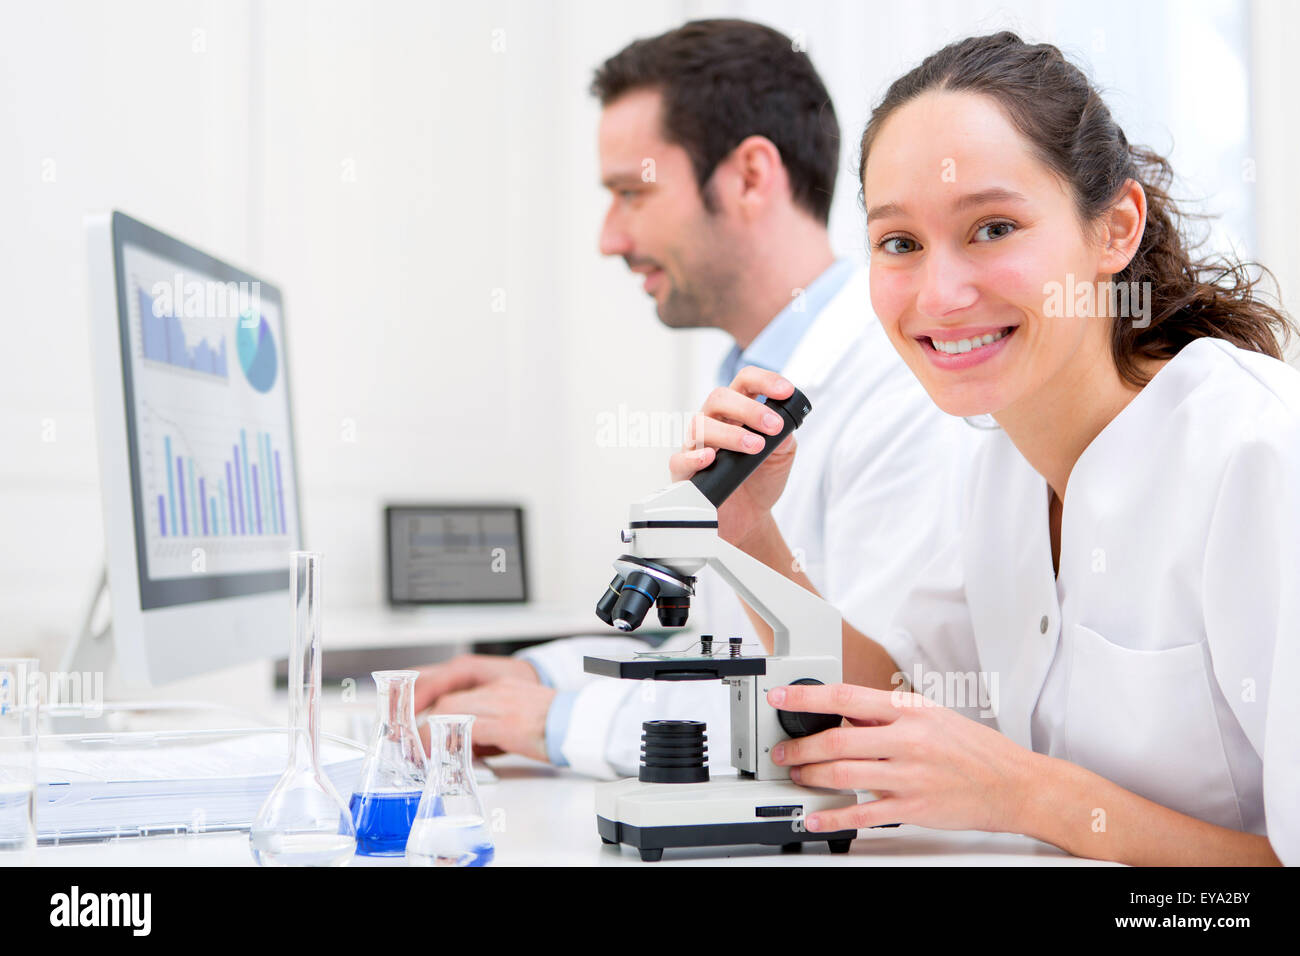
726	420
720	421
684	464
860	817
849	775
732	408
838	743
752	381
706	432
848	700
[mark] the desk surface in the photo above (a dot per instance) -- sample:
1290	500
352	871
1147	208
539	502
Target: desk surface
546	817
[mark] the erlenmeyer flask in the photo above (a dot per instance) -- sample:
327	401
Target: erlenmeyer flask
450	827
392	778
303	821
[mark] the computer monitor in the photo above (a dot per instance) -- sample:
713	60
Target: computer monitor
455	554
195	451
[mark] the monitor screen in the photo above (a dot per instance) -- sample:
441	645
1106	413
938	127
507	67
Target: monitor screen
209	431
454	554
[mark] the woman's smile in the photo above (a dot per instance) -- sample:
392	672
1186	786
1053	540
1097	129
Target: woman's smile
957	349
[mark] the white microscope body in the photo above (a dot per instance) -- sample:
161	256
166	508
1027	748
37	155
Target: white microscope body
672	534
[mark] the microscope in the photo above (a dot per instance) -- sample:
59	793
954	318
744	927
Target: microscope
672	802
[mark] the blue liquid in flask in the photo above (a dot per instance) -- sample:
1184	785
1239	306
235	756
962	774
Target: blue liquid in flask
383	821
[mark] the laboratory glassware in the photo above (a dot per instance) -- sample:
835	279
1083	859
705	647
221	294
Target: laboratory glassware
393	775
303	822
19	715
450	826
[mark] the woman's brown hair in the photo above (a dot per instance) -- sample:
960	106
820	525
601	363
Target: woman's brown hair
1053	105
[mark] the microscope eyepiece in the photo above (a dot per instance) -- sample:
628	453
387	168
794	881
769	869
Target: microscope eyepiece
731	468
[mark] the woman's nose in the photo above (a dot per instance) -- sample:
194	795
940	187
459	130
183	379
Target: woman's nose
947	285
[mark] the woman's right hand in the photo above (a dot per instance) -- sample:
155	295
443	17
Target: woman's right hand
718	425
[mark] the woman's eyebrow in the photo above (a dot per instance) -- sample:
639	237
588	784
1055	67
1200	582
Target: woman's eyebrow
883	210
994	194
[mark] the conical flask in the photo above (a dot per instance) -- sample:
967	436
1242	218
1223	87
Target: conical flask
393	775
450	827
303	821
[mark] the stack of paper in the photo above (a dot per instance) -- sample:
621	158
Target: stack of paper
101	786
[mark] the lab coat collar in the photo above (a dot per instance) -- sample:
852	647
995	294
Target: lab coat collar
838	328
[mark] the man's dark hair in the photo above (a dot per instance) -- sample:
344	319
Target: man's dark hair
723	80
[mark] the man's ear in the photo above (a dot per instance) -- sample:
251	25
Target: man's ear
1121	228
750	178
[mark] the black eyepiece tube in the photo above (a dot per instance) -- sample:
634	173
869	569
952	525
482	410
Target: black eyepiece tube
730	468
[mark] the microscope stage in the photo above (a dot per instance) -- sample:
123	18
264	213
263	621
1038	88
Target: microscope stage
652	667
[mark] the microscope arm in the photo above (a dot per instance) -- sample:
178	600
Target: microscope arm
802	623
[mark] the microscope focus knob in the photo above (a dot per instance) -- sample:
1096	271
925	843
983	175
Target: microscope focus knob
798	723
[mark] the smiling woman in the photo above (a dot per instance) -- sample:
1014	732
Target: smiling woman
1115	574
994	177
1070	156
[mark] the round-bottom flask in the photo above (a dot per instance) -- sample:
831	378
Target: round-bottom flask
303	821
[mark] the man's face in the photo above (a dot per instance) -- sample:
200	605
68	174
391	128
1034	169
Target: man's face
657	220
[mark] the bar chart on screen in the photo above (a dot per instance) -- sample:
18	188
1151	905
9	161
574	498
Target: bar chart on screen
210	479
215	483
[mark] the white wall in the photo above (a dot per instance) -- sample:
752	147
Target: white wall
398	168
146	111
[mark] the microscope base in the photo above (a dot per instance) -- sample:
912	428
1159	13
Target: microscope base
656	816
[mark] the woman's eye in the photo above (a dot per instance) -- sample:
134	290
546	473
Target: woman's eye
896	244
994	230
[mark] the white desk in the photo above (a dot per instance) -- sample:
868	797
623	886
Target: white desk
546	817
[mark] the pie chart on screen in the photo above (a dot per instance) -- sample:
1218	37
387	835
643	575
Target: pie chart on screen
256	348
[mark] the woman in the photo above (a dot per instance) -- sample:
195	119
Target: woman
1125	578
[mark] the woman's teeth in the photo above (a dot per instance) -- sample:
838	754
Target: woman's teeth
966	345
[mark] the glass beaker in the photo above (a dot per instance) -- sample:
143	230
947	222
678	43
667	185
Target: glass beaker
450	827
19	715
303	822
393	775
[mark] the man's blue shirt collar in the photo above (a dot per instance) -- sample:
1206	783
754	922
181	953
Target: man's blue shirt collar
780	337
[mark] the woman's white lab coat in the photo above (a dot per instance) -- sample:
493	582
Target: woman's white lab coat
1165	655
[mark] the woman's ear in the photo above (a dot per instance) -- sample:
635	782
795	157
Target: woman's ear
1121	228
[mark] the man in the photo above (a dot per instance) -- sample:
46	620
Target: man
719	146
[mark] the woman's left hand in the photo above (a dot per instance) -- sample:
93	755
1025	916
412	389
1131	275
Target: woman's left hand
926	764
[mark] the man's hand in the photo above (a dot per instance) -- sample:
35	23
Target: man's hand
465	672
511	716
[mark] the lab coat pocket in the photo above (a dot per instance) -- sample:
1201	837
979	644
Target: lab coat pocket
1146	721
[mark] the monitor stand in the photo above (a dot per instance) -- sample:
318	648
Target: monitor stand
91	649
87	669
